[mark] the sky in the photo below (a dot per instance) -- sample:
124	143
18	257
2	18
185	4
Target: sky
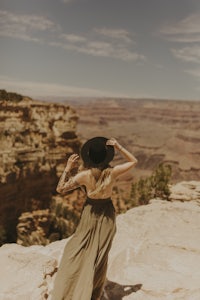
101	48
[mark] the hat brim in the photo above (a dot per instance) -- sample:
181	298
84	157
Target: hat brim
86	147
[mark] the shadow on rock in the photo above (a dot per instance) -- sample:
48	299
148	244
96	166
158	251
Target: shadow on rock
116	291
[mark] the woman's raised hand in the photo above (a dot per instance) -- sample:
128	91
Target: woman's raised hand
113	142
72	161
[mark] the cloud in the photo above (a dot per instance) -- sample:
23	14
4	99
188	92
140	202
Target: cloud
23	26
102	42
118	34
72	38
195	73
188	54
99	42
104	49
31	88
66	1
186	30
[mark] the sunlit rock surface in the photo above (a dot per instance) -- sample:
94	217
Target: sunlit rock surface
186	191
35	140
158	246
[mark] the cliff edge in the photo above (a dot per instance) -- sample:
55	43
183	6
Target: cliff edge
155	255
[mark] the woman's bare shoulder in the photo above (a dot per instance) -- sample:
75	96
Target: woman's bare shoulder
82	176
85	171
122	168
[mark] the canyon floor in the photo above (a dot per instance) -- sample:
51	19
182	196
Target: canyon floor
155	131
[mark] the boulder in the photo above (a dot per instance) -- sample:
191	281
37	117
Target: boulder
185	191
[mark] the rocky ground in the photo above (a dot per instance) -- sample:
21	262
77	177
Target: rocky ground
155	255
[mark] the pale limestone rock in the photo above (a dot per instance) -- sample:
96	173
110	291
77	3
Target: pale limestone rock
27	273
156	245
185	191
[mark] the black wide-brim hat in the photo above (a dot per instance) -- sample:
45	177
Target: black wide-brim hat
95	152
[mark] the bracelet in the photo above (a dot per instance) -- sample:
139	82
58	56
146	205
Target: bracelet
120	148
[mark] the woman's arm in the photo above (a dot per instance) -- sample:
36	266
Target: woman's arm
68	182
119	169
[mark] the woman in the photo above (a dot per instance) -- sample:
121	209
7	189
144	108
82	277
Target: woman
82	271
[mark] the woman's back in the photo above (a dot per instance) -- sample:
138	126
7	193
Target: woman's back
99	183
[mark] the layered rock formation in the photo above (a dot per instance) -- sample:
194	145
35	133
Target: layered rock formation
36	138
41	227
185	191
155	255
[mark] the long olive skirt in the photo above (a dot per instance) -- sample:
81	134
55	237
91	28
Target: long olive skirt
82	271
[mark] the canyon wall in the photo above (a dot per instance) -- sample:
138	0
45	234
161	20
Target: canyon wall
35	140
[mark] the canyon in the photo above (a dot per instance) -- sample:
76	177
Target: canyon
38	136
156	131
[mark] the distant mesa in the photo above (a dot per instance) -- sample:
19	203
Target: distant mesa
9	96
